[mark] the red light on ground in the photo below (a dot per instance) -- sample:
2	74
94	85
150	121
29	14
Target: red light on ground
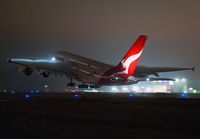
169	87
73	91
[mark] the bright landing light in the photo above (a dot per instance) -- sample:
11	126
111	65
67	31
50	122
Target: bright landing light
53	59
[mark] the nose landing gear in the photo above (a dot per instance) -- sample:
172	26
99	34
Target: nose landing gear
71	84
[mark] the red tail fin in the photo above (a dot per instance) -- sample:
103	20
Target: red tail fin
128	64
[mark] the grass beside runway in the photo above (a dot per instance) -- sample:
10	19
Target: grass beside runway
98	115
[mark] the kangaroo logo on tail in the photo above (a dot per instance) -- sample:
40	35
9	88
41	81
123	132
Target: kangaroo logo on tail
129	62
126	63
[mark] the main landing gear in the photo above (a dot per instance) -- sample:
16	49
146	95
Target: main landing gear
71	84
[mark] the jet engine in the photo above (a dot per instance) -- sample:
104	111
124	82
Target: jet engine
45	74
26	70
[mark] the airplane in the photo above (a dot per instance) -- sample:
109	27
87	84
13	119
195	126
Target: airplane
94	74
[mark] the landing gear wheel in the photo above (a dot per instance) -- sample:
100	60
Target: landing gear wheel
45	74
71	83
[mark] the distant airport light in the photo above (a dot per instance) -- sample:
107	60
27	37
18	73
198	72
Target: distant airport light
171	83
177	80
148	79
131	95
73	91
194	91
27	96
135	88
37	91
148	89
125	89
183	95
169	87
183	80
114	89
32	91
46	86
12	92
76	95
191	88
185	92
118	91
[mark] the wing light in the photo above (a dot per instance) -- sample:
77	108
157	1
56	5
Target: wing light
53	59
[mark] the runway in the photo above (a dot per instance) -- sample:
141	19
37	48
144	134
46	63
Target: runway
98	115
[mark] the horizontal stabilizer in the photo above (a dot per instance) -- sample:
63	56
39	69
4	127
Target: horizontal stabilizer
193	69
155	79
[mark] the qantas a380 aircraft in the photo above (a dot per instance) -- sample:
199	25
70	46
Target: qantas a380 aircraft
95	73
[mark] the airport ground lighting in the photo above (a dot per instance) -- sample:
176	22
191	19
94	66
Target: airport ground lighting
183	79
114	89
190	88
180	85
148	89
177	80
171	83
125	89
136	88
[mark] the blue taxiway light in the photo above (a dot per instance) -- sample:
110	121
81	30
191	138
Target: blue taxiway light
37	91
32	91
27	96
130	95
183	95
76	95
12	92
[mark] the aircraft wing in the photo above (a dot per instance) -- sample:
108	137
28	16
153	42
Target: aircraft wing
145	71
64	63
50	66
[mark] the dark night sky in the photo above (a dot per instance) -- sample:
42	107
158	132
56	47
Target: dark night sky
103	30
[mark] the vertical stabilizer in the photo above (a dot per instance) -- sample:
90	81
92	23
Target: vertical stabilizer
129	62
